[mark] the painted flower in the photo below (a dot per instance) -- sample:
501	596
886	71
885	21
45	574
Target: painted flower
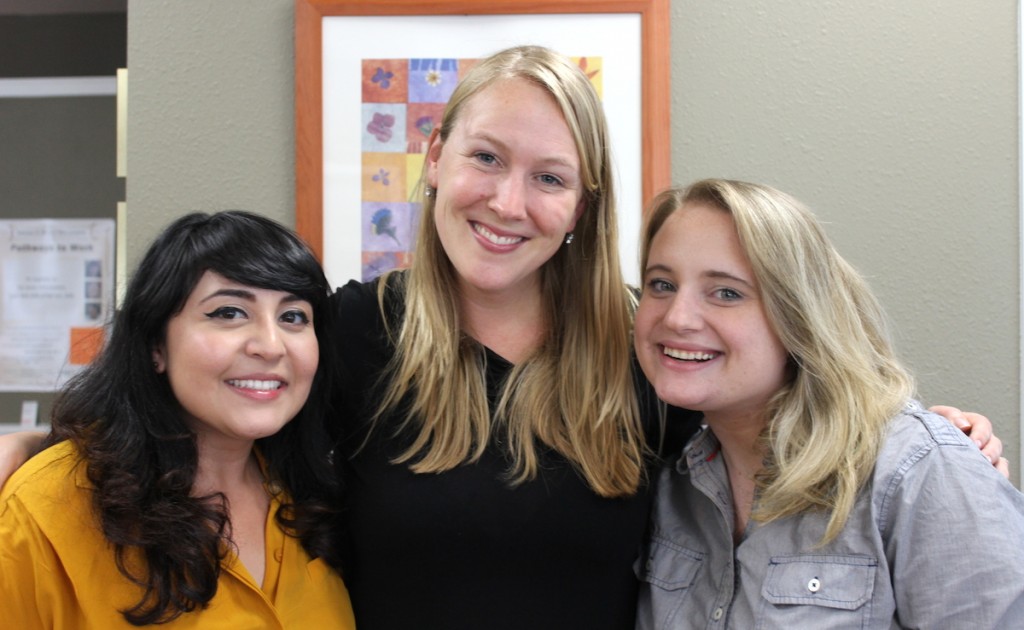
425	124
380	224
382	177
433	78
380	126
383	77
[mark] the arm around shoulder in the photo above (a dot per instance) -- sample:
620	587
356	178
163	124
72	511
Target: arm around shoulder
952	526
16	449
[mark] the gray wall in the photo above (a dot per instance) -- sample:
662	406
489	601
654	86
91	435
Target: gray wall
896	121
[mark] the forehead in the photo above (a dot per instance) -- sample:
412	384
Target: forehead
696	221
211	282
514	100
698	232
208	283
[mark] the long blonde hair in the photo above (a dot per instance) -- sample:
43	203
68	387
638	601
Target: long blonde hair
575	394
825	427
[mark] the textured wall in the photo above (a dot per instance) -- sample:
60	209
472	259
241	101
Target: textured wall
896	121
211	111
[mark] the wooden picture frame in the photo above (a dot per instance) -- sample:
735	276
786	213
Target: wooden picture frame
652	130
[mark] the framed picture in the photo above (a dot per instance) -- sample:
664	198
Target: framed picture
372	78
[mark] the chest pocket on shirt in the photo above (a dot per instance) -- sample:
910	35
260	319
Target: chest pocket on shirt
817	591
666	572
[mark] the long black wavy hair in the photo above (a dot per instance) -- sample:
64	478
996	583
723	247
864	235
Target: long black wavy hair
123	417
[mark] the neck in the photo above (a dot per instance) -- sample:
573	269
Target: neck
231	469
223	468
511	324
744	458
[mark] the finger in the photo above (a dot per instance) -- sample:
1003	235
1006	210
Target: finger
981	433
954	415
1003	466
993	450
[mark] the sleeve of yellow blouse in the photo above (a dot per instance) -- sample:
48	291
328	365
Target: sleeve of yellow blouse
27	590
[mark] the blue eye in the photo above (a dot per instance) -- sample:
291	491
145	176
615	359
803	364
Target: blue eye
658	285
728	295
550	180
226	312
486	158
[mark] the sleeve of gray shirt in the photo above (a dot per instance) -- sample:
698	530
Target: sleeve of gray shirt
954	530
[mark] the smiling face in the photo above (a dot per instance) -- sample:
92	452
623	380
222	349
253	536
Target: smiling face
508	187
240	360
702	336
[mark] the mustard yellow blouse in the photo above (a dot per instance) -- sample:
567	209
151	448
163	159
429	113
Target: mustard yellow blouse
57	570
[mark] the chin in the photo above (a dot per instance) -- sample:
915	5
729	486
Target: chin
684	400
264	430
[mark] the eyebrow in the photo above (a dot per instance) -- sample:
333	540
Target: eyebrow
727	276
249	296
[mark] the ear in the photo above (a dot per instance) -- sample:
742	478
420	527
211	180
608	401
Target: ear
159	360
434	146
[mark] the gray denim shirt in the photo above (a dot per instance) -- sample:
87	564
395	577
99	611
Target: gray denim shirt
935	540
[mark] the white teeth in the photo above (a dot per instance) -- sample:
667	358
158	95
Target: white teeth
494	238
257	385
688	356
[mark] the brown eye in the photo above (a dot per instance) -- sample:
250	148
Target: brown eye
226	312
295	317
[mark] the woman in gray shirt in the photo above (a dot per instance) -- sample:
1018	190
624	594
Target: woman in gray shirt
820	494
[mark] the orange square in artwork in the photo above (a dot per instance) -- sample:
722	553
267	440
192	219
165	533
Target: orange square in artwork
85	345
384	177
385	80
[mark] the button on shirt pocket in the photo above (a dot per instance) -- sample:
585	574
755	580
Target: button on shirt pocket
813	591
667	571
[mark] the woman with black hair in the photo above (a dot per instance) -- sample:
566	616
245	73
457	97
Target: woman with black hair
189	481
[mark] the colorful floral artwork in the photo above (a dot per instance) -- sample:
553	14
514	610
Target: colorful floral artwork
402	102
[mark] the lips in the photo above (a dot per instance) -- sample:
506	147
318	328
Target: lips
256	385
687	355
494	238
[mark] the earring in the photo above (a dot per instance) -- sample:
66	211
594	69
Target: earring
156	366
429	192
568	238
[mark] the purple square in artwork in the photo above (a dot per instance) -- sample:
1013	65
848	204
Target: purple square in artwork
432	80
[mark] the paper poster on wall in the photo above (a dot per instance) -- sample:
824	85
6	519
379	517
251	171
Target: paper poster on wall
56	293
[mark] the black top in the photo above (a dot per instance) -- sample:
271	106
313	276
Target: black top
463	548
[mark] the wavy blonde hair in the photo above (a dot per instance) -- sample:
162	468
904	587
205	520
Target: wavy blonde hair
825	427
574	394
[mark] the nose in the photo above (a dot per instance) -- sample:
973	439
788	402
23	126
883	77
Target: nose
508	200
684	313
265	341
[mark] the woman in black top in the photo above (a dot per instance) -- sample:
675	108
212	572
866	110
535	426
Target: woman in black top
497	467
